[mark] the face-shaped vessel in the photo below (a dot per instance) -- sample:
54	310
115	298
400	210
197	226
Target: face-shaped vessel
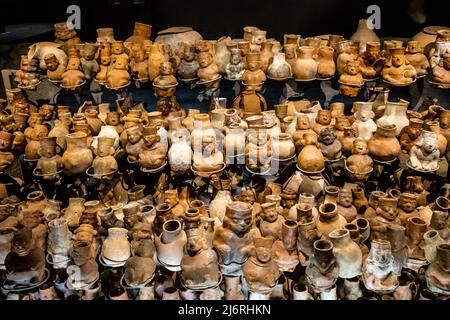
324	117
345	198
204	59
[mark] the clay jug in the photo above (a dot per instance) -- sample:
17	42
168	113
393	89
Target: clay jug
78	156
116	246
348	254
170	245
305	67
283	147
74	211
311	159
180	155
60	131
395	114
329	219
280	68
266	55
202	127
94	122
325	63
384	145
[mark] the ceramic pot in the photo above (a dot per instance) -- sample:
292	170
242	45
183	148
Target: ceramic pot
279	68
116	246
94	122
432	240
283	147
437	274
180	155
395	114
202	128
329	219
221	54
305	67
311	159
74	211
188	122
322	271
384	145
348	254
234	142
427	37
326	66
39	50
78	156
170	245
218	205
108	132
59	238
433	126
300	292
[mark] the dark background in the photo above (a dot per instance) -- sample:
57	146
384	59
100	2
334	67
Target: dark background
226	17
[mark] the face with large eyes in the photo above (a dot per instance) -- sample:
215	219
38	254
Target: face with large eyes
189	54
302	122
121	63
263	254
133	136
359	147
290	241
289	52
353	69
5	145
238	223
51	63
270	214
324	117
407	204
113	119
429	144
289	203
398	59
253	65
117	48
235	58
204	59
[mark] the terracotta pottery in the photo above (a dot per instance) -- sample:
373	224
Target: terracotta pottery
322	271
325	64
218	205
364	34
266	55
384	146
305	67
78	156
116	246
170	244
427	37
329	219
437	275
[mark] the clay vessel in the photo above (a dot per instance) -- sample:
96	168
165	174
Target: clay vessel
78	156
326	67
384	145
116	246
329	219
305	67
348	254
364	34
170	245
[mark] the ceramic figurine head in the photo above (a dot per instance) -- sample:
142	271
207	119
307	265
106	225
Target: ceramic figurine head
327	136
150	136
414	47
6	140
341	123
407	202
247	195
238	217
236	56
117	47
439	220
22	242
89	51
105	146
360	147
47	111
263	249
113	118
398	57
73	64
259	36
387	208
253	61
147	45
353	68
269	212
303	122
415	128
324	117
47	147
345	197
51	62
31	218
105	58
289	231
204	59
195	241
288	199
189	52
134	134
85	232
290	51
372	51
166	69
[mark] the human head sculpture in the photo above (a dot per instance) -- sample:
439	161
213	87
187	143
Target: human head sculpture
134	134
6	140
324	117
341	123
47	110
47	147
139	55
259	36
73	64
205	59
428	142
290	51
85	232
414	47
398	57
373	51
360	147
269	212
238	217
288	199
117	47
105	57
345	197
439	220
327	136
105	146
289	232
196	241
247	195
253	61
236	56
415	128
303	122
150	135
113	118
51	62
407	202
353	67
189	52
263	249
387	208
